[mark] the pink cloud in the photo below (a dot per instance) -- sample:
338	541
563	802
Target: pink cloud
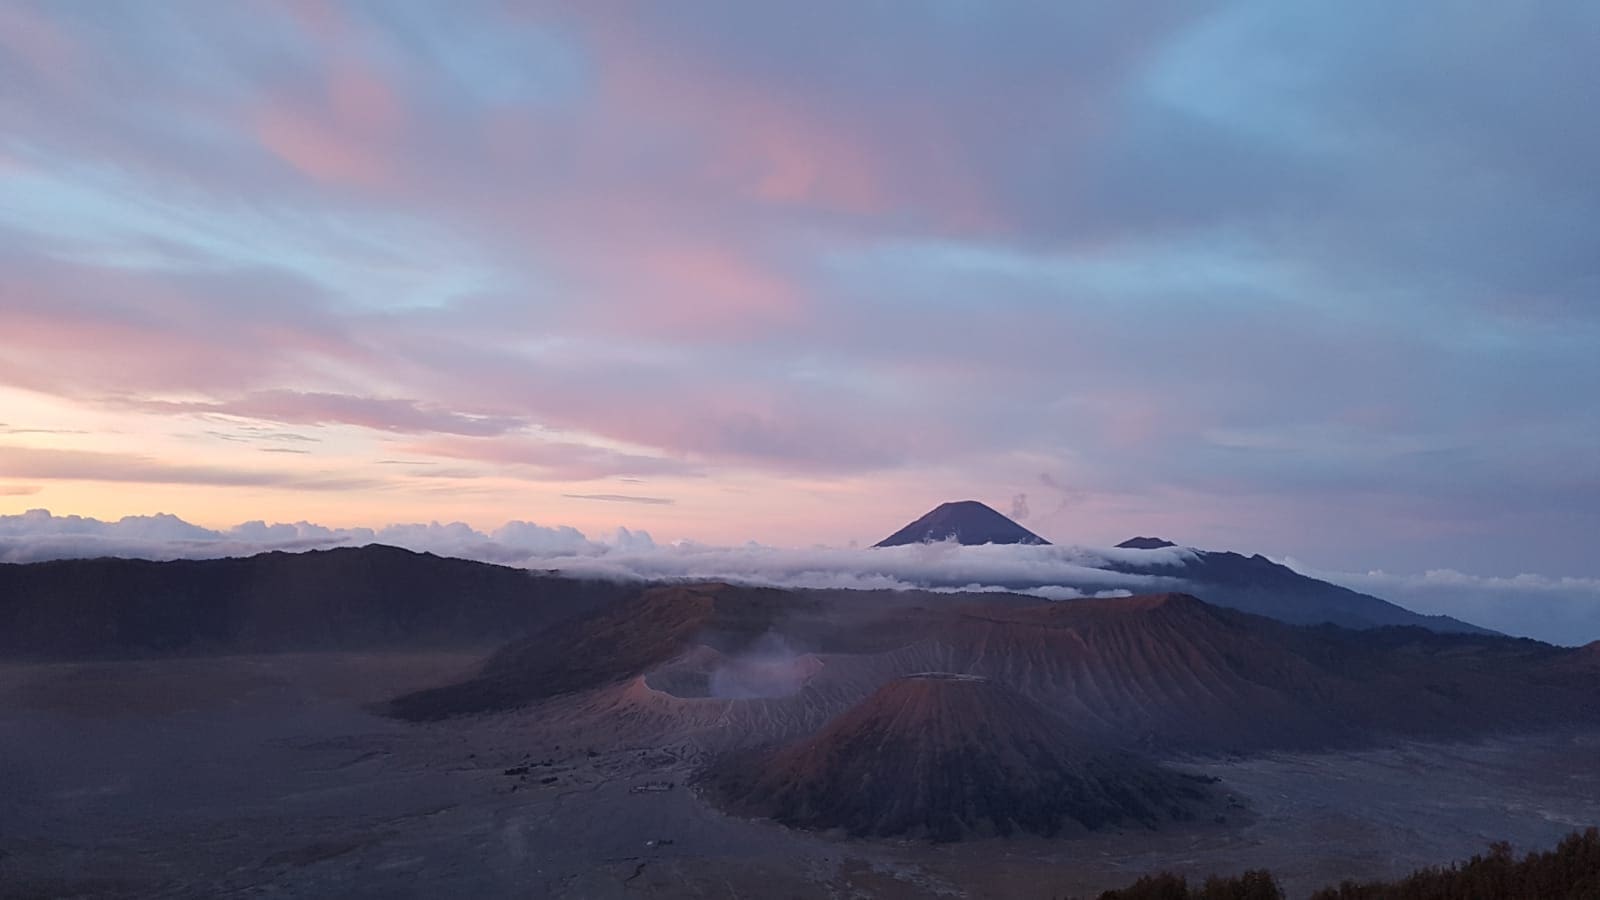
552	460
678	408
623	498
321	19
91	465
348	135
105	353
767	145
704	289
78	328
320	150
810	167
359	99
391	414
43	45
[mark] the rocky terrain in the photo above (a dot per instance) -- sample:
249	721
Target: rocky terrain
1161	671
716	739
269	775
947	756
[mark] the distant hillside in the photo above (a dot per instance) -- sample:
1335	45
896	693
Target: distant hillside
1145	543
1251	583
1258	585
1160	670
348	598
965	522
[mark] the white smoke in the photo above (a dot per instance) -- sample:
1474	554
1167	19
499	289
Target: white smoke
1019	507
768	668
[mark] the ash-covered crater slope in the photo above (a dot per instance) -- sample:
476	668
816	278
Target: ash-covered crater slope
1155	672
948	756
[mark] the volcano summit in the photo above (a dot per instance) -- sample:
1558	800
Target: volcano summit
966	522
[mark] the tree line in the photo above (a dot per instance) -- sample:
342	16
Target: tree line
1569	872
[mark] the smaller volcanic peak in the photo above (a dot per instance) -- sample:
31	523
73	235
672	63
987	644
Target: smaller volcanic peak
1145	543
622	641
946	756
966	522
1585	658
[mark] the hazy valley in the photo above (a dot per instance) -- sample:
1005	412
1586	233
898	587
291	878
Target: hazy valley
372	722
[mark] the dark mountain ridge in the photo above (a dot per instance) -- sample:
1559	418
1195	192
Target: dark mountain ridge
378	596
346	598
1145	543
1258	585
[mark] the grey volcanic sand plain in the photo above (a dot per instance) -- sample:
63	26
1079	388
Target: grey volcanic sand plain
269	776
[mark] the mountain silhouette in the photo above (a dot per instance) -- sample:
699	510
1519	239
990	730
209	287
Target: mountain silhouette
966	522
348	598
1256	584
1145	543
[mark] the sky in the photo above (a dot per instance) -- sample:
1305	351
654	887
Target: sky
1319	282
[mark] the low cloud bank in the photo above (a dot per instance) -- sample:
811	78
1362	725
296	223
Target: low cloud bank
1557	610
38	535
1055	572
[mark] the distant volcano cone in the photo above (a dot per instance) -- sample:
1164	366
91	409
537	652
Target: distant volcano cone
966	522
946	756
1585	658
1145	543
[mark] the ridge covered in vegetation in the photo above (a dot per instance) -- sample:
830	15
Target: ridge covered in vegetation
1569	872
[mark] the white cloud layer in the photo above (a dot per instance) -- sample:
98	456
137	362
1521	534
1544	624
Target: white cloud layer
1558	610
38	535
1052	571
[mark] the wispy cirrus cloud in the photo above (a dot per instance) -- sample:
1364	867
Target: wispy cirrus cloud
390	414
552	459
623	498
91	465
